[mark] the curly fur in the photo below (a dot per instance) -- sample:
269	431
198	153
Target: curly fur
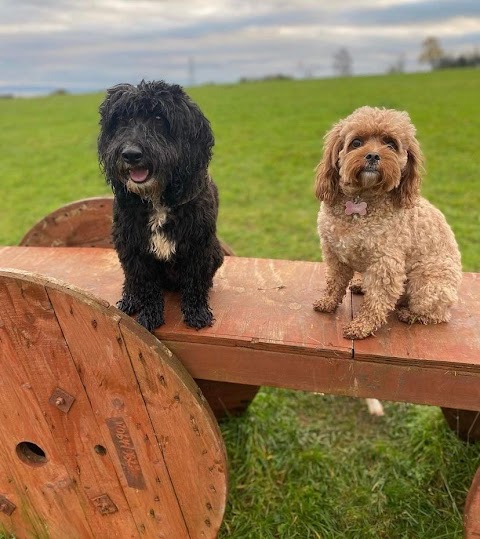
154	147
403	246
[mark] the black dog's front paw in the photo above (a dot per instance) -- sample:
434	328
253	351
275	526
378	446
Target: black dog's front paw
128	304
198	318
151	318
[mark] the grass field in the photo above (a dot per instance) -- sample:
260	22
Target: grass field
302	466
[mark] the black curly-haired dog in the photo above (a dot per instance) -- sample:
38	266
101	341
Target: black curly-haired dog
154	148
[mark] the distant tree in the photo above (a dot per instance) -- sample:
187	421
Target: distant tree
467	59
342	63
432	53
398	66
59	91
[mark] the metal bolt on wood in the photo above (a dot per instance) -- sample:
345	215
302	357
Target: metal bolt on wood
61	400
6	506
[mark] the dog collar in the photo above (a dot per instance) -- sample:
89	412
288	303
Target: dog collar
355	207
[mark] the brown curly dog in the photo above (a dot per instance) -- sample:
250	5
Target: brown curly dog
373	220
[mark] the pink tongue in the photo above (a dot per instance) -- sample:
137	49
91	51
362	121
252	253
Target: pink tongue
138	175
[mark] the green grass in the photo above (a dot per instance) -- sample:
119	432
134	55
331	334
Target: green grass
268	141
310	466
302	466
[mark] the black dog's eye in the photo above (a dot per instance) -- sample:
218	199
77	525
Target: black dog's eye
390	143
356	143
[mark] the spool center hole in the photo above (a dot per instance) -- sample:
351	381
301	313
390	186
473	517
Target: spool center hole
31	454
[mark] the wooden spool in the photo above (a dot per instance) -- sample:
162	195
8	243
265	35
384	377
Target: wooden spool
103	433
83	223
472	510
88	223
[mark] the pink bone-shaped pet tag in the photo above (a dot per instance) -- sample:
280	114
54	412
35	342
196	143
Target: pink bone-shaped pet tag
355	207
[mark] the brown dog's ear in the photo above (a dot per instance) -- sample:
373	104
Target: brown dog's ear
327	175
408	190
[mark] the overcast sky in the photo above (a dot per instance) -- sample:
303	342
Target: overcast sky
85	45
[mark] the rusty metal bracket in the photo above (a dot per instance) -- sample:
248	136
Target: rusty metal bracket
104	504
61	400
6	506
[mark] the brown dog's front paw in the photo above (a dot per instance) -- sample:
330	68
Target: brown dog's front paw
357	330
325	305
407	317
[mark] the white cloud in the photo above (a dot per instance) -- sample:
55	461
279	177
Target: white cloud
79	44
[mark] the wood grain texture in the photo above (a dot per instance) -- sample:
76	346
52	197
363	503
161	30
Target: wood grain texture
83	223
110	444
454	344
48	498
266	332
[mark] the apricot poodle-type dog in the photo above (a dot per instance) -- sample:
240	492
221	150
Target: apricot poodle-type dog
373	220
154	147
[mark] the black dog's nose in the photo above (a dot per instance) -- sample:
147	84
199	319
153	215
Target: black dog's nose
372	157
132	154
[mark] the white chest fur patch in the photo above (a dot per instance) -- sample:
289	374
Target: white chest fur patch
160	246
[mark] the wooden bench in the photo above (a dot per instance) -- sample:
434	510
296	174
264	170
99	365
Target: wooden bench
266	333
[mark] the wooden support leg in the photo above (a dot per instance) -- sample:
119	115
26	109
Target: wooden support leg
471	518
465	423
225	398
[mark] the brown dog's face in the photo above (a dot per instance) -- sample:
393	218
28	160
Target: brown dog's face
370	162
371	152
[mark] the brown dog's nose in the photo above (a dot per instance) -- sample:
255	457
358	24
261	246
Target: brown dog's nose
372	157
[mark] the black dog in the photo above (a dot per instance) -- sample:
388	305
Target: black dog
154	147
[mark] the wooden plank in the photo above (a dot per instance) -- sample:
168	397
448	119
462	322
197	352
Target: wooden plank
254	300
191	441
265	305
46	495
329	373
17	514
456	343
48	366
116	399
264	302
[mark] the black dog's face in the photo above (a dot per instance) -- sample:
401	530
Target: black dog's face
154	140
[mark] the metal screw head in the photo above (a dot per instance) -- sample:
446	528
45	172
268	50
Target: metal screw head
6	506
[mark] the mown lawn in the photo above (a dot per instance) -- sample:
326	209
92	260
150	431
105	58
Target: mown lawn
302	466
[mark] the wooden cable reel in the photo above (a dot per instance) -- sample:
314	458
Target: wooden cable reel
103	433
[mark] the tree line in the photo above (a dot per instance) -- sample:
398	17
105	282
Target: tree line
433	54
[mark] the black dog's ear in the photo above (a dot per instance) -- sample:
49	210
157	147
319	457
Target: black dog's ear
113	95
192	131
107	107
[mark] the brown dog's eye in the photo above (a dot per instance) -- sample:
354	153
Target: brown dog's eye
356	143
390	143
